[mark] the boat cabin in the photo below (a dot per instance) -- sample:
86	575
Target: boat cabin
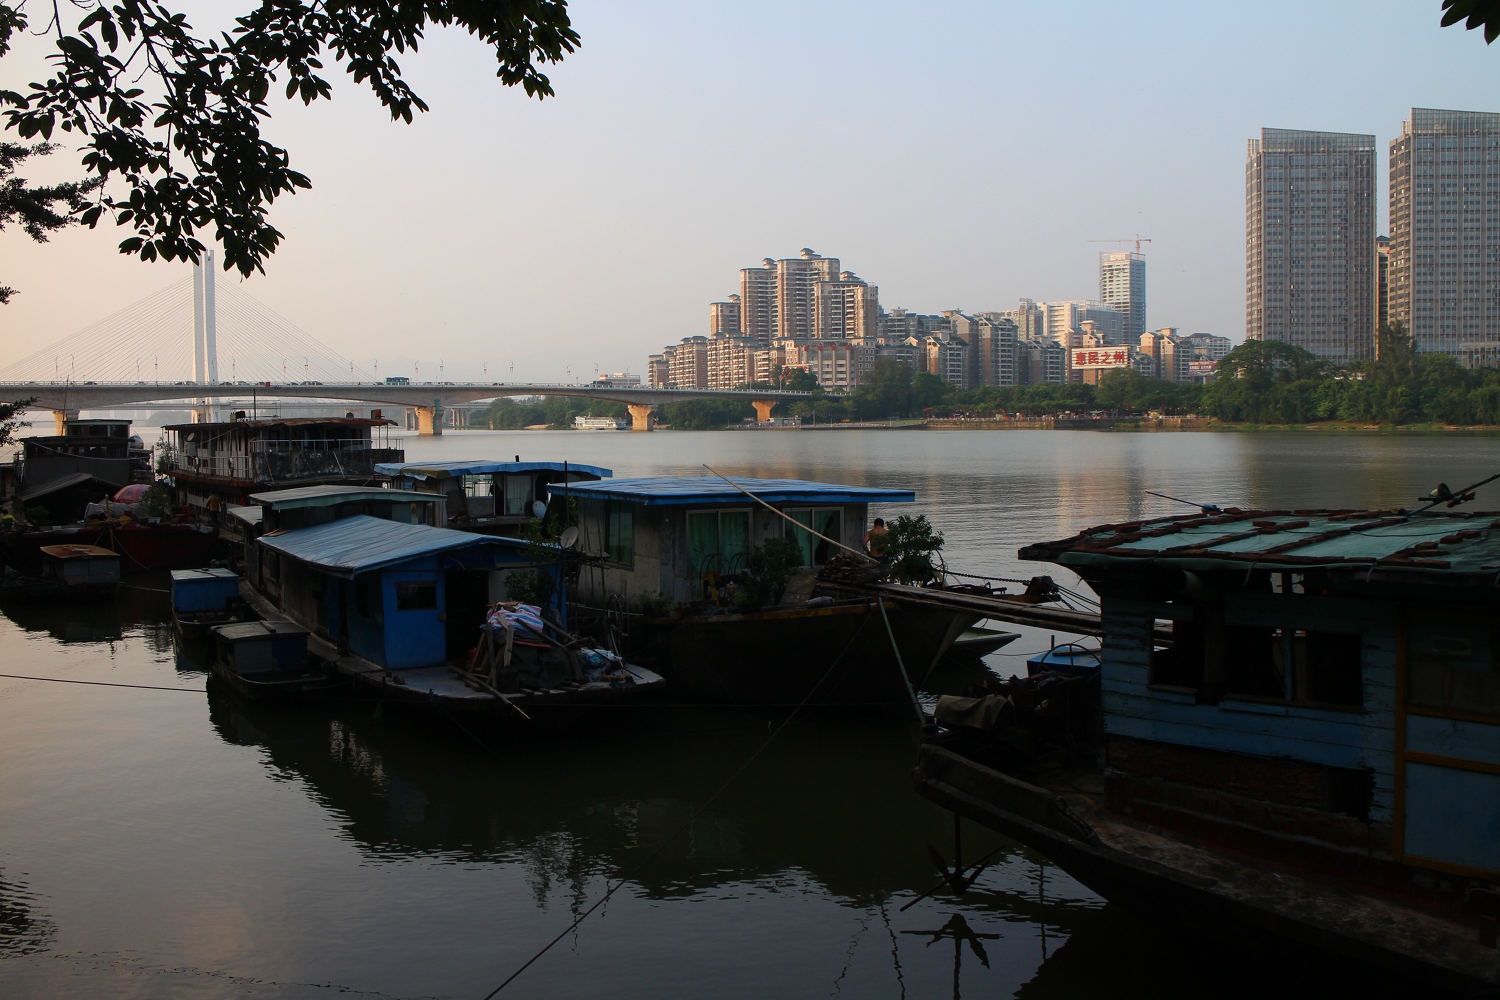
261	648
1332	680
103	449
305	506
396	594
670	537
215	465
80	568
200	590
492	498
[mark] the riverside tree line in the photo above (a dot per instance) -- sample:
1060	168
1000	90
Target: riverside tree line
1259	382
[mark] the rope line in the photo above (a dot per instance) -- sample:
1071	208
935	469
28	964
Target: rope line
112	684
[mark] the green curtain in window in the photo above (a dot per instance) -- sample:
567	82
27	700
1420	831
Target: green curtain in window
802	538
703	543
734	539
620	545
830	523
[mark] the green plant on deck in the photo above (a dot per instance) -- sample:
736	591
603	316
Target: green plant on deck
911	542
157	502
769	567
655	605
38	515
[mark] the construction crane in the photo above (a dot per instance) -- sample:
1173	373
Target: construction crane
1138	239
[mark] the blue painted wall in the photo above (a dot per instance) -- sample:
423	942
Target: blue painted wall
413	638
1351	739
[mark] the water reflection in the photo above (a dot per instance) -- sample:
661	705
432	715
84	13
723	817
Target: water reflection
829	798
23	931
139	608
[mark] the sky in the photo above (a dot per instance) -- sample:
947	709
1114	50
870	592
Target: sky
957	155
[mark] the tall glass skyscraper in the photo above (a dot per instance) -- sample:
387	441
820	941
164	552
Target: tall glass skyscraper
1310	241
1122	286
1445	233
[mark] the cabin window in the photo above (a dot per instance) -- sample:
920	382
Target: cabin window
619	542
1293	665
418	595
517	494
1181	666
718	541
825	521
1452	664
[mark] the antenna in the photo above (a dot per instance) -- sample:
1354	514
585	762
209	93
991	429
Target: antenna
1137	239
1207	508
1452	497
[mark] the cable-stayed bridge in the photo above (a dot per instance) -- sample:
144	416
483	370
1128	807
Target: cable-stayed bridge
196	343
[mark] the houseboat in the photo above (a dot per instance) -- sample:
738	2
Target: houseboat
676	551
205	598
1314	755
69	572
61	474
409	612
492	498
212	466
269	661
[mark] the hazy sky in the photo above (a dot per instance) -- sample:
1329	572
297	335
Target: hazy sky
957	155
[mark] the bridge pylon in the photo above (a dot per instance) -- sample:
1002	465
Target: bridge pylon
640	416
763	409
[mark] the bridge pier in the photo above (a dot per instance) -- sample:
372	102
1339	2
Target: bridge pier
60	417
763	409
640	416
430	420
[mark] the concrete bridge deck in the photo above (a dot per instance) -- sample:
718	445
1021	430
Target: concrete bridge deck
66	399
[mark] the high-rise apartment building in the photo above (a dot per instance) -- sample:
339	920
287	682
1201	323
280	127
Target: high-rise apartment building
758	302
1382	281
1122	286
797	280
1445	233
846	307
1064	321
992	350
724	317
1310	241
1030	320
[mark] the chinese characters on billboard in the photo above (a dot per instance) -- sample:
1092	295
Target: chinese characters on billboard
1101	357
1201	369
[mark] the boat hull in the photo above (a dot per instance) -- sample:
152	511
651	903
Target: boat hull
840	655
142	547
1212	894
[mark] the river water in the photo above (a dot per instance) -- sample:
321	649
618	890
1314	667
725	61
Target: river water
177	843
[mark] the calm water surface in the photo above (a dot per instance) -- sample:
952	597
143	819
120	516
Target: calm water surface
185	844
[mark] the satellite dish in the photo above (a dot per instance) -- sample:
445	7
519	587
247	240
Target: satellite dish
538	509
569	537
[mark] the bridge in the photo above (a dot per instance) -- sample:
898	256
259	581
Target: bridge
428	399
193	327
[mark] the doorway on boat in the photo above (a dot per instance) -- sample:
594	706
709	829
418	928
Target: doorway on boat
468	603
827	521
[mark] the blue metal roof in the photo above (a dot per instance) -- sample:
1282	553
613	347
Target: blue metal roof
445	470
676	490
329	496
360	544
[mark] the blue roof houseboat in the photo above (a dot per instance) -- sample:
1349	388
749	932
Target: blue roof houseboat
679	550
1311	751
405	606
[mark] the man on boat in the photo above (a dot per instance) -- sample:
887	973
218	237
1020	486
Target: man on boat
875	540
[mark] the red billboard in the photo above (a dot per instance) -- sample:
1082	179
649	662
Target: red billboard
1101	357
